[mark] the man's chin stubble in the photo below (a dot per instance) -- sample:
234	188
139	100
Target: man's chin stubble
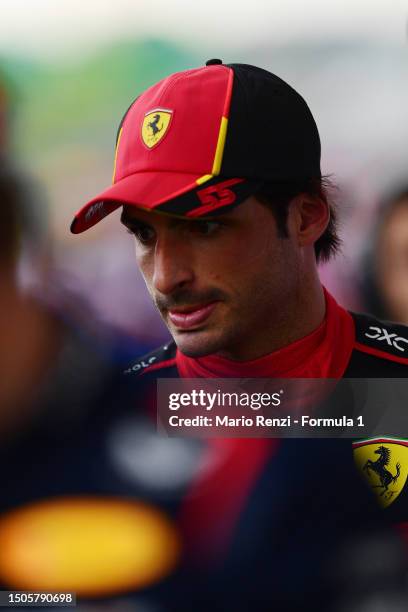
196	347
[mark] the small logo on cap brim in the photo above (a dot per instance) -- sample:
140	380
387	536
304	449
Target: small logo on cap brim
155	125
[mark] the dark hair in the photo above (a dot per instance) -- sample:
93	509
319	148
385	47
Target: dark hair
277	197
10	213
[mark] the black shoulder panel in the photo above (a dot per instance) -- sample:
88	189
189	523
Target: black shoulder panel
381	349
164	355
384	336
366	365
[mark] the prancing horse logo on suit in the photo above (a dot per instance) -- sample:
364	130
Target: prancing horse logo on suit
155	125
384	463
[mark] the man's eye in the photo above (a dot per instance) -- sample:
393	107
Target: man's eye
205	228
143	233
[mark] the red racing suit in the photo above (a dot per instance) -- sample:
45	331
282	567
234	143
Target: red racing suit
272	514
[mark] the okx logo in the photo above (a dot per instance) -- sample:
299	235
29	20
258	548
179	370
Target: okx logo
381	334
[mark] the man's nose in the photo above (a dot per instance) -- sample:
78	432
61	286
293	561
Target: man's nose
172	264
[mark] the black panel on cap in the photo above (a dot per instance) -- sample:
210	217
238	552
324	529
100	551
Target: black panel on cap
213	62
271	132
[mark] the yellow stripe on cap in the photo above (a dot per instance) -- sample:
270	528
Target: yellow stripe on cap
220	146
204	179
116	155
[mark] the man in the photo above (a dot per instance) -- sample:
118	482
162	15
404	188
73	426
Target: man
218	173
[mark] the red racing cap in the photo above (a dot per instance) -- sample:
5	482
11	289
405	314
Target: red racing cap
201	141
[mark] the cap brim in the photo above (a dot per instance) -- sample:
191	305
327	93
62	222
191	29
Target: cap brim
186	195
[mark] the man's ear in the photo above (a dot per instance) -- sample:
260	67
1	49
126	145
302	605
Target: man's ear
308	217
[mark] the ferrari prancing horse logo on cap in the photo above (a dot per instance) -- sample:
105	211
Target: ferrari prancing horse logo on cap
155	125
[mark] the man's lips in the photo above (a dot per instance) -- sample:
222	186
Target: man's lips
191	316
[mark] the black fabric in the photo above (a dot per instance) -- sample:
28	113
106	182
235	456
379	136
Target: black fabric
271	132
386	336
362	363
189	201
163	353
306	523
122	121
304	508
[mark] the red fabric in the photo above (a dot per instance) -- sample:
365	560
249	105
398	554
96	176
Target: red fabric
211	511
324	353
151	188
197	100
148	177
159	366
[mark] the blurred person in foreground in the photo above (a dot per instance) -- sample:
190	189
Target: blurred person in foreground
70	511
384	269
217	171
43	346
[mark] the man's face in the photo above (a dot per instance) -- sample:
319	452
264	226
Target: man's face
225	285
